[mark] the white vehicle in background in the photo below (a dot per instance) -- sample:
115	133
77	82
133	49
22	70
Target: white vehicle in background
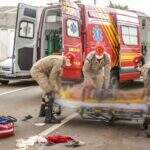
29	41
6	49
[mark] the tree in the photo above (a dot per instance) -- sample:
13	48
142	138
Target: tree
119	6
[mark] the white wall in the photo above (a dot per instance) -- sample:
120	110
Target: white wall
6	43
146	37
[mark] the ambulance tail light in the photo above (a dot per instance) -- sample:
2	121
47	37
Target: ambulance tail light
136	60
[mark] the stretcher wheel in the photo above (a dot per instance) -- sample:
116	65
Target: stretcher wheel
57	109
146	126
146	123
84	113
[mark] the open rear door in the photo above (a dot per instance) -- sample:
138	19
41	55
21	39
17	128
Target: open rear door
25	39
72	40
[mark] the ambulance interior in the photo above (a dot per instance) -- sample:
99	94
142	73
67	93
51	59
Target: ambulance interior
52	32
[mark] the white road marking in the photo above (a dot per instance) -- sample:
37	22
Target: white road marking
48	131
9	92
56	126
52	128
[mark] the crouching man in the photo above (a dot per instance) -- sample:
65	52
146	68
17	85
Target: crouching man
47	73
96	71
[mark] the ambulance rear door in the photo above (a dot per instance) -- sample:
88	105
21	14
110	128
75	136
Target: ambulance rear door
25	38
72	39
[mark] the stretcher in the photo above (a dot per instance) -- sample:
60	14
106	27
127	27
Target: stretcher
109	112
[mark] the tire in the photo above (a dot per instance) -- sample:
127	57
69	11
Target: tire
145	126
81	112
148	131
4	82
146	123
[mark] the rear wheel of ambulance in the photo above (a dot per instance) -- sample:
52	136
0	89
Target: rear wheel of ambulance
4	82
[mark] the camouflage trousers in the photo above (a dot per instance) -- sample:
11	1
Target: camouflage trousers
96	81
90	84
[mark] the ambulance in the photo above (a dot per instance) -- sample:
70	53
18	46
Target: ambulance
76	29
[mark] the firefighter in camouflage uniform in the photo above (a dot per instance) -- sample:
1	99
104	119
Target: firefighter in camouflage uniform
47	73
96	71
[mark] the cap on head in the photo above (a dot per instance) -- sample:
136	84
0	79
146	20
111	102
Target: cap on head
99	52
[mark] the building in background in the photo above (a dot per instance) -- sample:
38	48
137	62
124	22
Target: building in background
7	27
145	34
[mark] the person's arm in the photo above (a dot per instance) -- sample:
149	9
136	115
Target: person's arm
54	76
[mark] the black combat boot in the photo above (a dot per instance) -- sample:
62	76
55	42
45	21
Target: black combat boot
49	116
42	109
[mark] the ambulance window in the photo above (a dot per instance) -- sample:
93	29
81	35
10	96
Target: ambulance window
72	28
30	30
30	12
26	29
130	35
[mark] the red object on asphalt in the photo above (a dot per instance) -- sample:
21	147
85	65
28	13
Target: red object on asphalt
55	139
6	130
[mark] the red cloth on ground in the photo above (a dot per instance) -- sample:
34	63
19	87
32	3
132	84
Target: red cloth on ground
59	139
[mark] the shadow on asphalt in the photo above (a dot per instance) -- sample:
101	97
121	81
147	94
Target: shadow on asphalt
131	85
123	127
21	84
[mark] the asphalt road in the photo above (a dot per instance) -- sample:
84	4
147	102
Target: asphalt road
23	98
